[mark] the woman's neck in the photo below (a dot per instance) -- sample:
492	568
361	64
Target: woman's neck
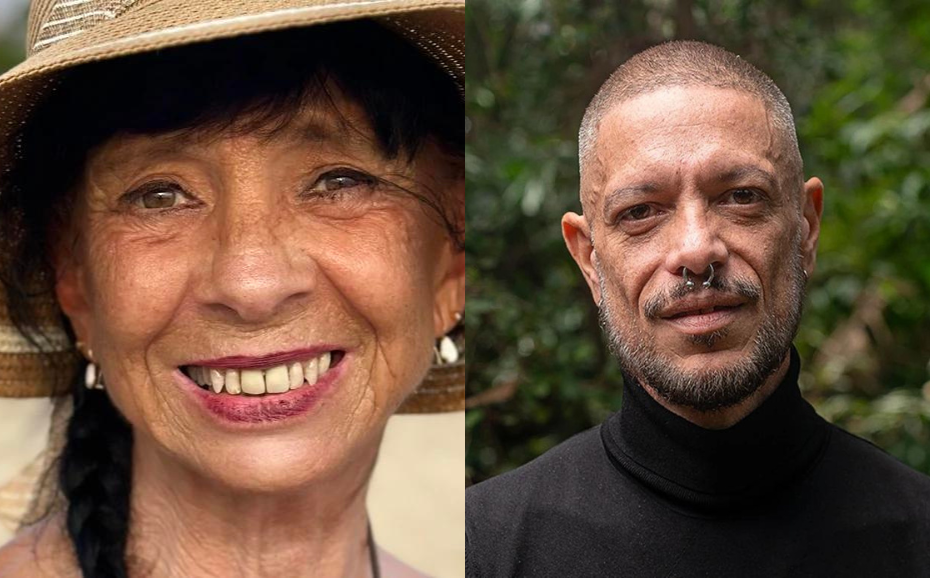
186	525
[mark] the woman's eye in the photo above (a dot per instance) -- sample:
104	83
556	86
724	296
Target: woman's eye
341	180
154	196
744	196
160	199
637	213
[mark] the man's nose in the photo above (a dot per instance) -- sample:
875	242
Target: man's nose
258	272
695	245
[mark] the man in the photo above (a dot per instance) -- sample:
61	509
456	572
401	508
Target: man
697	238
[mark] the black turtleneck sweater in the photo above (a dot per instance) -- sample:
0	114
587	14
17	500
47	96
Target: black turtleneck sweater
649	494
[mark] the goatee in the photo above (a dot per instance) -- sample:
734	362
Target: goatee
711	389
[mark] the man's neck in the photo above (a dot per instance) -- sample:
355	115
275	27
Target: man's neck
728	416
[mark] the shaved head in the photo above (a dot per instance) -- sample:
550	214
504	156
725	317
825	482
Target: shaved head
690	170
688	64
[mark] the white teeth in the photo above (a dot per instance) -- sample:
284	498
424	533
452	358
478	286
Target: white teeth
217	380
296	375
232	382
277	379
252	381
311	371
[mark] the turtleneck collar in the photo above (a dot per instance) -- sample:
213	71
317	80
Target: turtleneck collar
716	469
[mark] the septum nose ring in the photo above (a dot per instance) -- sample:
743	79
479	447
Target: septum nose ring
690	283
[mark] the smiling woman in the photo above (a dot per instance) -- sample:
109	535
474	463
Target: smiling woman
254	243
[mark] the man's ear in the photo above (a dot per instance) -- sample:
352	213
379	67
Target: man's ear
71	292
450	290
812	212
580	243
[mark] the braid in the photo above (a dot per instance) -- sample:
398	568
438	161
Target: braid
94	475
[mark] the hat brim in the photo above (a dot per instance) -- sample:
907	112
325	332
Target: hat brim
436	26
154	25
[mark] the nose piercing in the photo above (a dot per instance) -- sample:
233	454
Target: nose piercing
690	284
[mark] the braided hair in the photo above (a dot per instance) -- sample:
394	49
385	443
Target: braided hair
95	478
263	79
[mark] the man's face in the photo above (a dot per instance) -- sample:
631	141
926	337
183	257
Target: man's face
689	178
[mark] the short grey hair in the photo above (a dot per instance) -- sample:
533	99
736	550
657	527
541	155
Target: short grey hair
684	63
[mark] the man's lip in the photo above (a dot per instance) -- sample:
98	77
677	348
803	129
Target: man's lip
257	361
698	324
699	307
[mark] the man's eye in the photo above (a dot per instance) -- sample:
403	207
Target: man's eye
339	181
637	213
744	196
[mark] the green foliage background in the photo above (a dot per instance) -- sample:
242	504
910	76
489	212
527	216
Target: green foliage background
12	39
857	73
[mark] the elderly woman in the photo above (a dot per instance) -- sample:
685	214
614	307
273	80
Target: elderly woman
246	217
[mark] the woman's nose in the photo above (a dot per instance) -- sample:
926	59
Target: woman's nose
259	272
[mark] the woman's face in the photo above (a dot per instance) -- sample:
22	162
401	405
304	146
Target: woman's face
252	260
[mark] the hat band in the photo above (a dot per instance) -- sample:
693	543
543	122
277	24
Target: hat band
69	18
94	12
12	341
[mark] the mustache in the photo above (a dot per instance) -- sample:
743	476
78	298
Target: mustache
726	286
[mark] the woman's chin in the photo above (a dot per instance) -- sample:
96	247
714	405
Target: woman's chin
276	466
337	438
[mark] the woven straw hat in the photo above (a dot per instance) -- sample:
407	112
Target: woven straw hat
66	33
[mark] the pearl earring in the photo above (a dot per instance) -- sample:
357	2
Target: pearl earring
446	351
93	377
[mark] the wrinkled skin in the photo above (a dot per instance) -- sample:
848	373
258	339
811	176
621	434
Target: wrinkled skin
686	177
248	243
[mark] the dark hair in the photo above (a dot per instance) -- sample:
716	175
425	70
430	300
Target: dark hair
250	82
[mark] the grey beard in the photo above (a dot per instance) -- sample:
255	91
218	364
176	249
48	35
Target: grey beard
713	389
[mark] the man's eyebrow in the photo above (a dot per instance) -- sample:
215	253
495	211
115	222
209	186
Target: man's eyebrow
734	175
621	195
744	173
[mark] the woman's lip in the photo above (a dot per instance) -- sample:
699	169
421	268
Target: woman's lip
698	323
260	361
256	410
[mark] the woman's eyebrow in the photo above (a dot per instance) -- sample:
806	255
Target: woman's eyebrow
318	130
139	150
314	130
